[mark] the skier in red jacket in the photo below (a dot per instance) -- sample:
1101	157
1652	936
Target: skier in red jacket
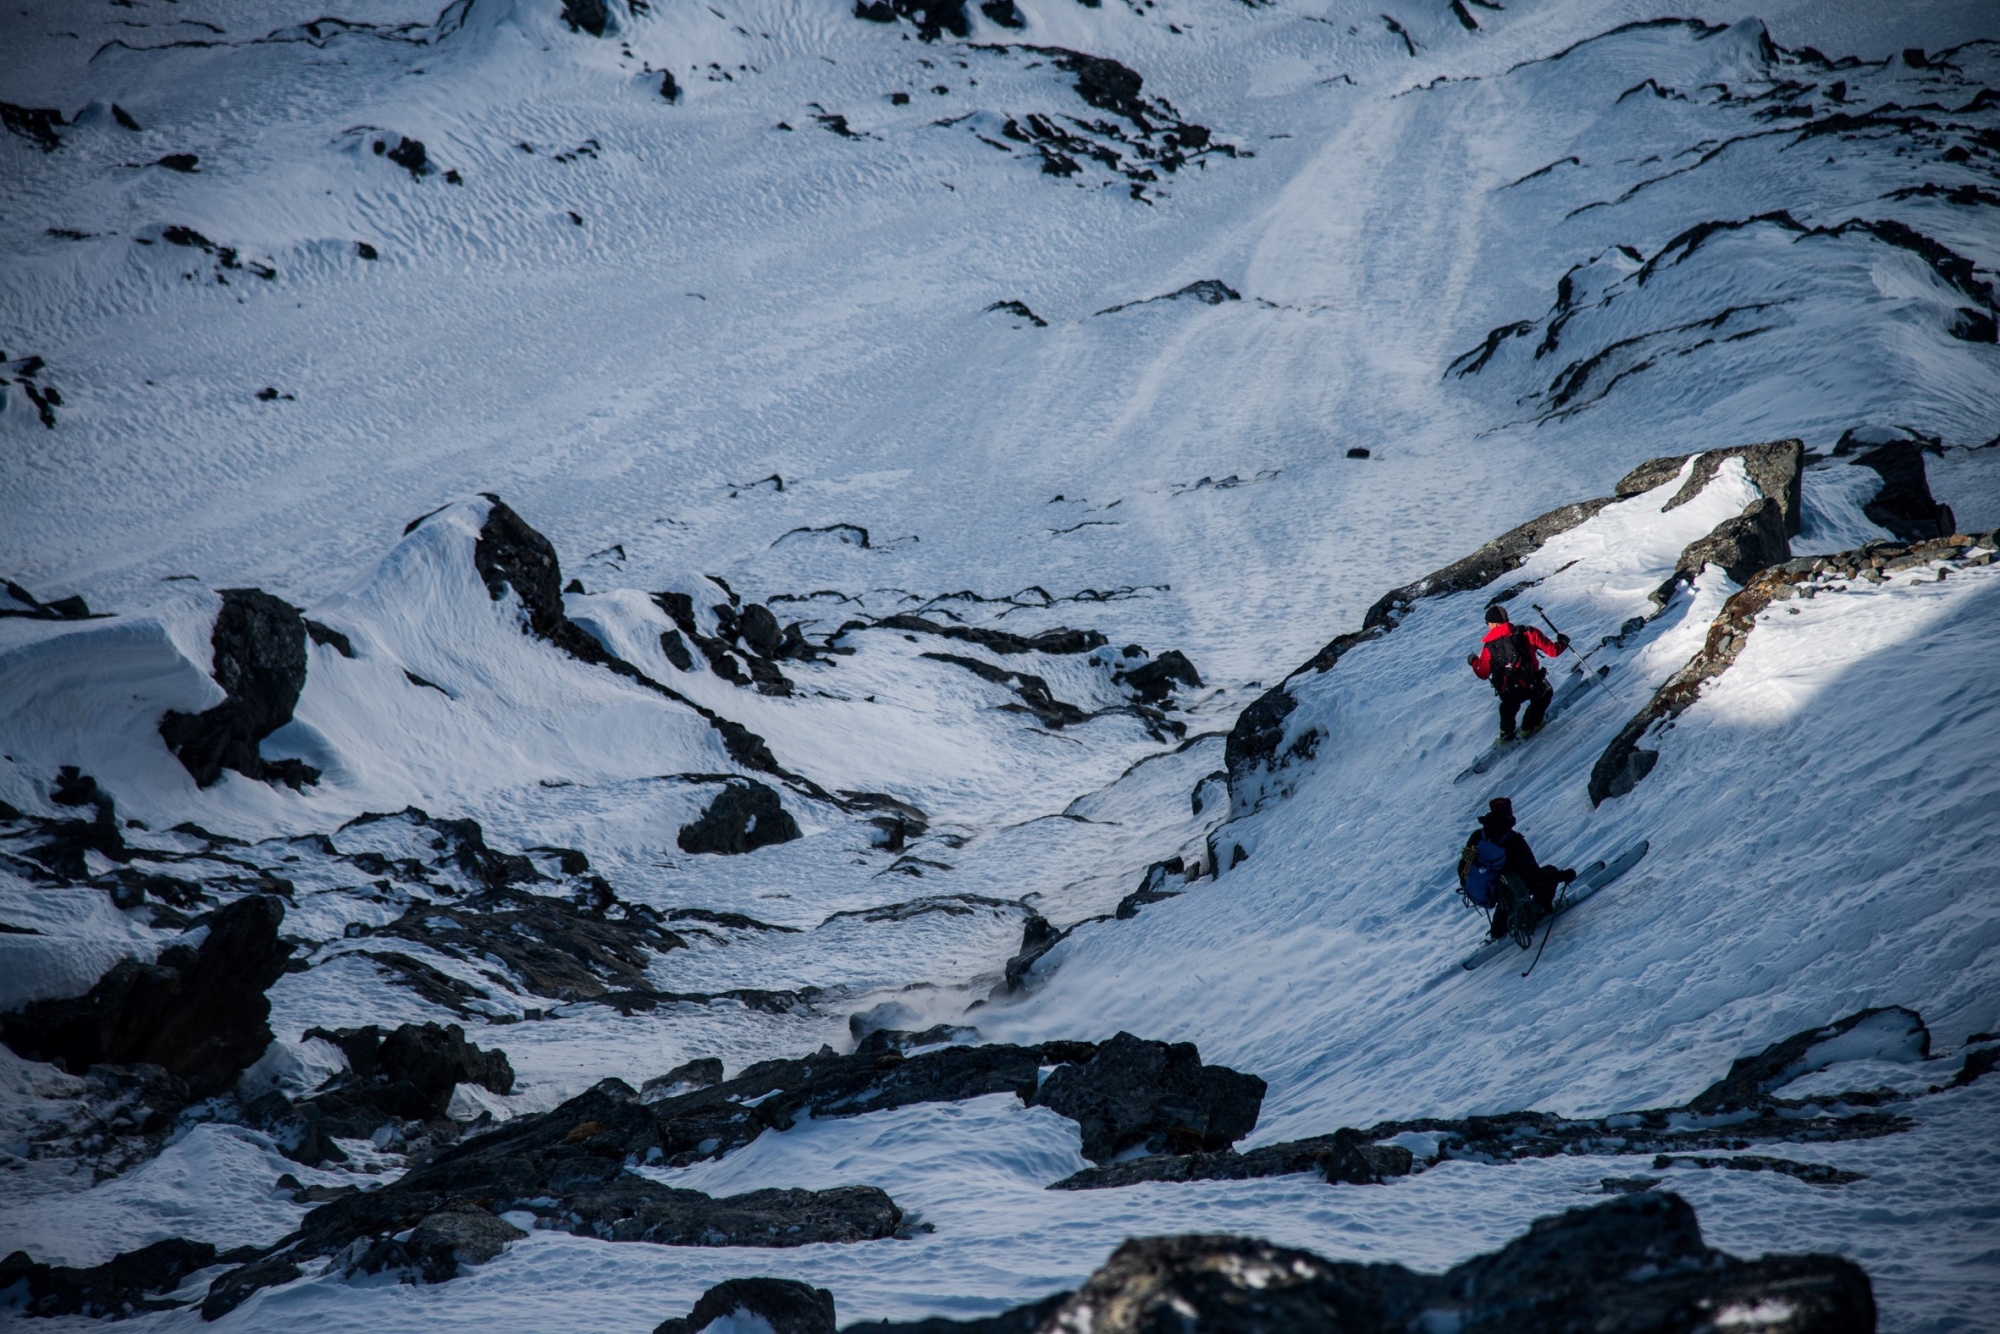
1508	658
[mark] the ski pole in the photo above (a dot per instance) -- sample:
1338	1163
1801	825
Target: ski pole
1576	668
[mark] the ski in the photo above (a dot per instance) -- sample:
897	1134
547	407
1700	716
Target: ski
1578	685
1593	878
1583	889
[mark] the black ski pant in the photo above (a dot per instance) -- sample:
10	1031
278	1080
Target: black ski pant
1538	698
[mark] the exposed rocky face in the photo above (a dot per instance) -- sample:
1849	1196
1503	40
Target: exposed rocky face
406	1075
1737	1112
260	660
128	1285
197	1013
1636	1263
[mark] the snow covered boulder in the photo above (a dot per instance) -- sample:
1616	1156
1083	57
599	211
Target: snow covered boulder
784	1305
1158	1095
200	1014
1883	1031
1774	468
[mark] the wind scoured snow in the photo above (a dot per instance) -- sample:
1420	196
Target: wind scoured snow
686	342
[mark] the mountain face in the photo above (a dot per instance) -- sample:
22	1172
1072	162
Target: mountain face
636	630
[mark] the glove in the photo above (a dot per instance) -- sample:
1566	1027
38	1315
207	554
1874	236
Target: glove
1562	639
1472	660
1569	876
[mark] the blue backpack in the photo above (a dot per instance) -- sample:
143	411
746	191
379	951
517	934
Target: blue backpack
1482	880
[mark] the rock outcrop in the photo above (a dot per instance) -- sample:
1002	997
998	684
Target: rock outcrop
510	554
1635	1264
259	644
1753	540
20	602
1154	681
126	1285
1625	763
1774	468
406	1075
200	1014
568	1168
1738	1111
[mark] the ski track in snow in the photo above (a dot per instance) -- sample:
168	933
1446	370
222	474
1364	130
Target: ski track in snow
632	310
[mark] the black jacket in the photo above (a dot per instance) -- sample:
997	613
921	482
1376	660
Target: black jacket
1520	857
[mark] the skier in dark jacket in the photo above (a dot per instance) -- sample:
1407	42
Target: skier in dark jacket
1508	657
1522	880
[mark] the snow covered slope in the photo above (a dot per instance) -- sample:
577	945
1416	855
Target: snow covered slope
667	531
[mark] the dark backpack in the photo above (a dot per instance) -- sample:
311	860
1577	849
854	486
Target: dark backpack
1515	670
1482	877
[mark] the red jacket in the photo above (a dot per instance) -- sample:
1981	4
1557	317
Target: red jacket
1482	666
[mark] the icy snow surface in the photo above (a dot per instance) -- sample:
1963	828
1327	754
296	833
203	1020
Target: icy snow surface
754	339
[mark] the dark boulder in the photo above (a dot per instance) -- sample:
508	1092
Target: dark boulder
259	646
510	554
1635	1264
1154	681
125	1285
1156	1094
1038	937
591	16
62	854
200	1014
35	124
1021	1320
1639	1263
786	1305
1353	1161
676	650
759	630
743	817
